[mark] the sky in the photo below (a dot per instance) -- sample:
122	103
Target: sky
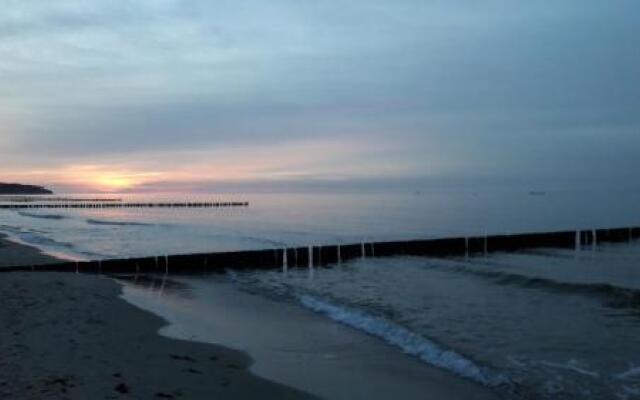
157	95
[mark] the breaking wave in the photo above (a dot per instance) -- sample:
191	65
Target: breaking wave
33	238
614	296
116	223
630	374
41	216
410	342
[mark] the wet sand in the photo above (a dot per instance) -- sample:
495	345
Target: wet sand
295	346
68	336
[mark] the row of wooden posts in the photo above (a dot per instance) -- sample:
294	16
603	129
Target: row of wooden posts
317	256
125	205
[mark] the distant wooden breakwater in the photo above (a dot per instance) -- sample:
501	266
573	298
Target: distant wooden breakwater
317	256
103	204
41	199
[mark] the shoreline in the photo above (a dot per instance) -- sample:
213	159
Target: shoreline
72	336
146	353
296	347
46	255
14	253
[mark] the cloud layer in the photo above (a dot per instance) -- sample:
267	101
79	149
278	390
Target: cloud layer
325	90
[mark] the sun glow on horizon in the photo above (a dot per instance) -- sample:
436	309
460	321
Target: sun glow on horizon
105	178
114	182
294	161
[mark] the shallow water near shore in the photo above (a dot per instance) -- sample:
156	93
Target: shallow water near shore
547	323
524	325
291	345
558	334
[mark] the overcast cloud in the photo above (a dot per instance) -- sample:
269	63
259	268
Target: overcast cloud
404	91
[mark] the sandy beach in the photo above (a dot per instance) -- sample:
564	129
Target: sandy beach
343	200
296	347
67	336
72	336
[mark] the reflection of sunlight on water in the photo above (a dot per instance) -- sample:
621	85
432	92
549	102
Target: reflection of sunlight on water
278	220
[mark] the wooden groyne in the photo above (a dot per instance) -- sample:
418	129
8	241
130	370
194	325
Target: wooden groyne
41	199
317	256
102	204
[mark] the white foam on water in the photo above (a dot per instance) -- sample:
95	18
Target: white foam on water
285	261
466	247
631	373
46	245
571	365
409	342
578	241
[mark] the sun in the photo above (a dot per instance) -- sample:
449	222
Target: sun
114	182
106	178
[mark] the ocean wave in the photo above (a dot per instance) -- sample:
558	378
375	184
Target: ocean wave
631	373
116	223
571	365
410	342
34	238
250	238
614	296
257	239
47	245
42	216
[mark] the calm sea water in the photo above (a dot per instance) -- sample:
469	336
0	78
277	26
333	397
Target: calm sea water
276	220
550	324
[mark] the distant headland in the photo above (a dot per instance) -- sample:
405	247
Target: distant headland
15	188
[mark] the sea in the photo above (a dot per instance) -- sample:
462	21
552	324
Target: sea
542	323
